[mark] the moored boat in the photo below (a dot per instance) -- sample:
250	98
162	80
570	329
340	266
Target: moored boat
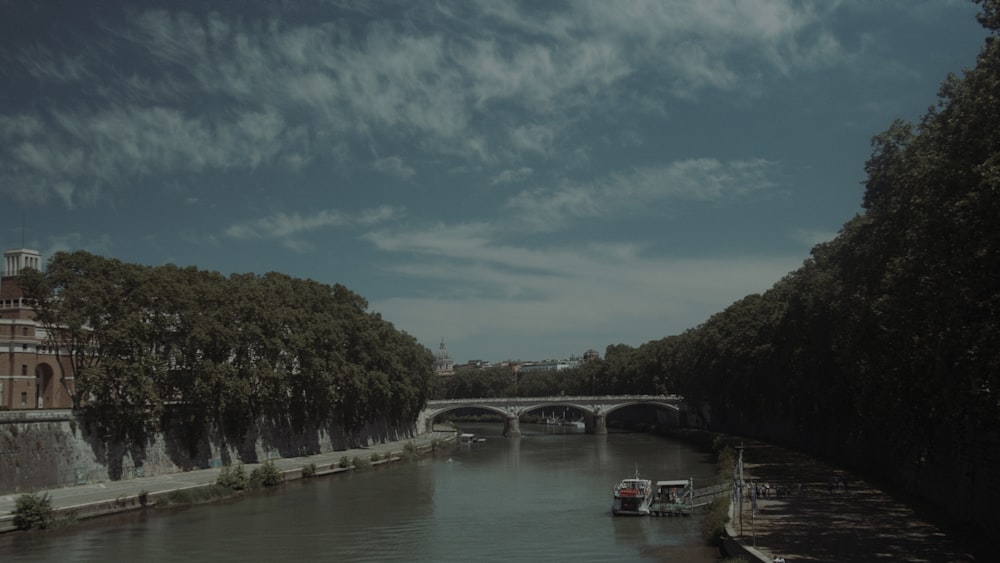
633	496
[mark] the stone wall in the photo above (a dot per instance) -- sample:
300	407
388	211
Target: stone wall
49	449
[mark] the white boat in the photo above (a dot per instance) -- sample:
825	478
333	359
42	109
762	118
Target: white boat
633	496
466	439
578	423
551	420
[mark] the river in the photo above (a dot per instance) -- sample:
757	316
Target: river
543	497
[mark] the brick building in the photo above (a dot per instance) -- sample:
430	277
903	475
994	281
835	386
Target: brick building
29	367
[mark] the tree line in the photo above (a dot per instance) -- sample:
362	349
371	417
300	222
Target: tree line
881	350
882	346
153	346
624	370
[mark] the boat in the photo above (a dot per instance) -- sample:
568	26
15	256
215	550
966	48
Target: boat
633	496
466	439
551	420
578	423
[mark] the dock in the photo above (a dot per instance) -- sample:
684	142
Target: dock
680	498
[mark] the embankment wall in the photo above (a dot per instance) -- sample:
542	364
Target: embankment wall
54	448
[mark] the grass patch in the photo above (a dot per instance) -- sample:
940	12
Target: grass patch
198	495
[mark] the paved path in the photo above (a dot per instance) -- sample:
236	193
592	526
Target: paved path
861	523
68	497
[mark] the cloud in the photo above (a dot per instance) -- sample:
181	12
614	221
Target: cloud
288	226
702	179
77	154
477	81
394	166
489	294
511	176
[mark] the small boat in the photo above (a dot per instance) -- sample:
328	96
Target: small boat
466	439
633	496
551	420
578	423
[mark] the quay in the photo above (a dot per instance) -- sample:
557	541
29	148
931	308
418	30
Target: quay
110	497
814	521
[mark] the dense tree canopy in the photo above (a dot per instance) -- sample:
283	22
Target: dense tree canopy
880	350
222	351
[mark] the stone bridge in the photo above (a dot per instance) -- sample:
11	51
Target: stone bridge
594	409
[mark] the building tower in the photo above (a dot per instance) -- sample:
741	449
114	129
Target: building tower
443	364
32	374
13	262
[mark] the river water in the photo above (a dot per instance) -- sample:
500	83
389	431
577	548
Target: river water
543	497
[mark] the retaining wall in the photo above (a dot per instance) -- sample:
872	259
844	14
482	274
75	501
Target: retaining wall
48	449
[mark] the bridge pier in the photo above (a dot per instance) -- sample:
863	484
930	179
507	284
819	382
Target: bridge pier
598	424
512	427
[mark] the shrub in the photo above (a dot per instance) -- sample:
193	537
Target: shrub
33	511
713	527
143	497
375	456
267	474
308	470
233	477
344	462
360	463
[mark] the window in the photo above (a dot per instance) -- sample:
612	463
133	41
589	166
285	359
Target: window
24	398
24	369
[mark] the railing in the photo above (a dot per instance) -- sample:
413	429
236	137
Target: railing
19	303
557	399
35	415
706	494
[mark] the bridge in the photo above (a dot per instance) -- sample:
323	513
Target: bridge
594	409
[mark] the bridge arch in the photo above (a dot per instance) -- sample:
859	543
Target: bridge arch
595	409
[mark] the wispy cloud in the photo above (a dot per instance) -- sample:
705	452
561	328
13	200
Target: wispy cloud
270	84
512	176
703	179
617	292
394	166
288	226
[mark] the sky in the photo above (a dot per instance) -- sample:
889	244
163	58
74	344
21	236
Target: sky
525	180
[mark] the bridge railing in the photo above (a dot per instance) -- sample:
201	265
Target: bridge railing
561	399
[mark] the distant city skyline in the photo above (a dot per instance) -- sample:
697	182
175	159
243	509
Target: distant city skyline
526	179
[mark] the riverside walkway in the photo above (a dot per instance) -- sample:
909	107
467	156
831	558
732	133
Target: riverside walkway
820	522
99	499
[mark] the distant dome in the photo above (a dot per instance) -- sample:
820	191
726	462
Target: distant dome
443	364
